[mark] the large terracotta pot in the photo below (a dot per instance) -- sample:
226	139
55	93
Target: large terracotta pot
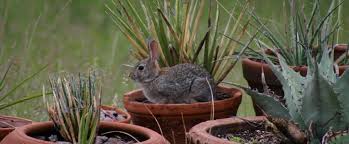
124	114
23	134
9	123
174	120
199	134
252	70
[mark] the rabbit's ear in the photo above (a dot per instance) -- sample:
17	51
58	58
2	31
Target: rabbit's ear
153	50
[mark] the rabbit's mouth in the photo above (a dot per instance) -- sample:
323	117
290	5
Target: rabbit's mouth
132	76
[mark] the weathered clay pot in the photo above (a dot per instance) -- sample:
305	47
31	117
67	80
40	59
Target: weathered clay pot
126	115
8	124
199	134
252	70
23	134
173	120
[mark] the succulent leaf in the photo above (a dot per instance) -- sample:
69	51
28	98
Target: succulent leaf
340	140
269	104
326	67
293	86
320	104
339	137
341	88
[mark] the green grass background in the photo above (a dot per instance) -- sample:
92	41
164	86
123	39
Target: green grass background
74	35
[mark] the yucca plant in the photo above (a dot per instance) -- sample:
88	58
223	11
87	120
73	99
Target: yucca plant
10	92
75	107
318	103
177	26
303	31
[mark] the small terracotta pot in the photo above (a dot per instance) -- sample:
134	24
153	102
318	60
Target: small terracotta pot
174	120
199	134
12	121
252	73
126	115
23	134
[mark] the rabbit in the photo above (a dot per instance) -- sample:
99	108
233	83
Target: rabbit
182	83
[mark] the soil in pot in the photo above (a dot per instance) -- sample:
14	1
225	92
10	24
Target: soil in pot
109	133
256	130
102	138
174	120
256	134
8	124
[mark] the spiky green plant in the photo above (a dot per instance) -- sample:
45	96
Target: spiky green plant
75	107
15	88
176	25
339	137
318	102
303	31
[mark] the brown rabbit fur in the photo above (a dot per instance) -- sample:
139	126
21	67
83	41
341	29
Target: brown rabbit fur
182	83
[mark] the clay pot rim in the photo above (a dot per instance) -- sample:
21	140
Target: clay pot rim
147	133
237	94
201	130
338	47
141	108
27	121
119	111
250	61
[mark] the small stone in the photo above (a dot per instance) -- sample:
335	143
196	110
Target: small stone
101	139
114	141
53	138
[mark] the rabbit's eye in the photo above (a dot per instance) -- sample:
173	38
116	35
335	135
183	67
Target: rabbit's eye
141	67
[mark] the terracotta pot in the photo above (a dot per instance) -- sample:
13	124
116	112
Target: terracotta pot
199	134
252	70
23	134
12	121
126	115
173	120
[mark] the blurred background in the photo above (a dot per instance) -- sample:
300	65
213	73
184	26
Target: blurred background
75	35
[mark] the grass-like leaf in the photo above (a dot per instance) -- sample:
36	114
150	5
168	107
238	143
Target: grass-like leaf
75	106
176	26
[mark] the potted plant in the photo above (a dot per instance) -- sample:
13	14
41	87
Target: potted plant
303	32
317	102
9	123
176	26
75	115
314	108
254	129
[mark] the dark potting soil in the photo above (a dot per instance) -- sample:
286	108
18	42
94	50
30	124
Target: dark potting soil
112	138
219	96
249	135
253	136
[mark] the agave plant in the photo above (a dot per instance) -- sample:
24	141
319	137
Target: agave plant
339	137
318	103
15	88
303	32
75	107
177	26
